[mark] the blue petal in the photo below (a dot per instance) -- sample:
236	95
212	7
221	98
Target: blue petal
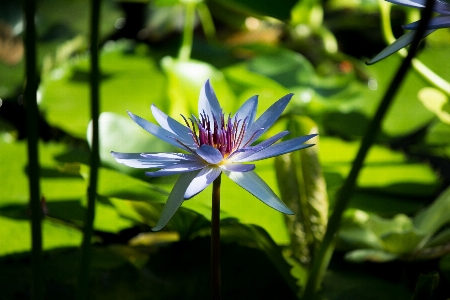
251	182
159	132
263	123
400	43
171	156
204	178
208	102
280	148
247	110
152	160
175	199
246	152
238	167
177	169
210	154
410	3
435	23
439	6
171	125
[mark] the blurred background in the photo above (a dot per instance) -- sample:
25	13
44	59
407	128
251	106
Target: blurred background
395	237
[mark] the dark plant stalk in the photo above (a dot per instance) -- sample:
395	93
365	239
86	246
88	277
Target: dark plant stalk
321	259
215	241
95	158
37	287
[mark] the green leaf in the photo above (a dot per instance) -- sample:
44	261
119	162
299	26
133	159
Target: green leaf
432	218
130	81
286	67
14	189
440	239
437	102
426	287
185	80
280	10
401	242
302	188
396	236
114	184
362	255
384	170
17	233
120	134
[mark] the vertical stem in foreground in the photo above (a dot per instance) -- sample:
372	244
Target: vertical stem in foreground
31	110
95	160
321	260
215	241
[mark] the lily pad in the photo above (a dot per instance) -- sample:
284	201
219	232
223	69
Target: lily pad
130	81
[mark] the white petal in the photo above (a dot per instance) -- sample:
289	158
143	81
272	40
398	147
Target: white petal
238	167
152	160
177	169
280	148
251	182
210	154
204	178
246	152
160	133
400	43
175	199
435	23
247	112
208	102
266	120
171	125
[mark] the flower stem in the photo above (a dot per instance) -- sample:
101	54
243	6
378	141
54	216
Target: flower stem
95	160
31	109
215	241
188	31
323	256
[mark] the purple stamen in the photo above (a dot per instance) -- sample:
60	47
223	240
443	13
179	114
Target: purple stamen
224	134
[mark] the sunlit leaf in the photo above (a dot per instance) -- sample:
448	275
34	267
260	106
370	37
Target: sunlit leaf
185	79
16	235
130	81
114	184
121	134
384	170
436	102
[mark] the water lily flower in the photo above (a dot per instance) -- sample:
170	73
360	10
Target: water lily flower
214	143
442	20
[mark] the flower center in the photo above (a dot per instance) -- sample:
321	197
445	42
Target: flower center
225	135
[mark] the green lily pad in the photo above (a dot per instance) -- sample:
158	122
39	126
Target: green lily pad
130	81
384	170
18	234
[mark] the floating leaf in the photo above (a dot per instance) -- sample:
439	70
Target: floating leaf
130	81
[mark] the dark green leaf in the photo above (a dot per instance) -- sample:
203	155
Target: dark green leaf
280	10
